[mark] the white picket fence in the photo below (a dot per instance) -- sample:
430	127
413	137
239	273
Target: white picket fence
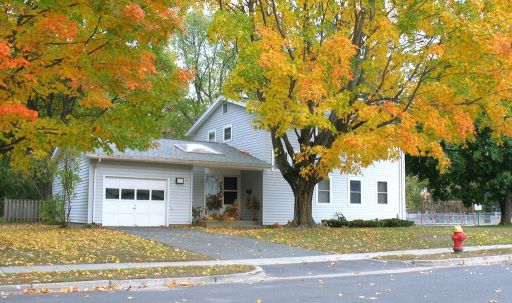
467	219
17	210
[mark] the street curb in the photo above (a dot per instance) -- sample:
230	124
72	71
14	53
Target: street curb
459	261
136	283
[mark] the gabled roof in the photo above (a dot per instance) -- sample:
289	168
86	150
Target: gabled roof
218	102
209	154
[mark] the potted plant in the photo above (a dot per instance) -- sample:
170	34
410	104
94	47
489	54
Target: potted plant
214	202
253	204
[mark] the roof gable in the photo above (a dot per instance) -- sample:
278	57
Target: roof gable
216	104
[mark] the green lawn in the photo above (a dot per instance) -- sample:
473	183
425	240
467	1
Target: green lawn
38	244
356	240
465	254
121	274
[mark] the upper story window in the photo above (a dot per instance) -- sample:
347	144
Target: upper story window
324	192
211	136
355	192
382	192
228	133
224	107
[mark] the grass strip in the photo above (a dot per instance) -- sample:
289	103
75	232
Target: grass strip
358	240
39	244
121	274
464	254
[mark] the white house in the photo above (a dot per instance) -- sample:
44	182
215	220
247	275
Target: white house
160	186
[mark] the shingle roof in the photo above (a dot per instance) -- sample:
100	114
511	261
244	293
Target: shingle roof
167	152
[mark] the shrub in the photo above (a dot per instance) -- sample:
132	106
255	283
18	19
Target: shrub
397	223
365	223
368	223
51	210
335	223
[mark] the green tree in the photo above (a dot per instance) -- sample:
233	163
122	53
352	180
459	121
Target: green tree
480	172
68	179
210	61
414	188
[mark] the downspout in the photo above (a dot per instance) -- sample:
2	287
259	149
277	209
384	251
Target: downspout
95	165
402	186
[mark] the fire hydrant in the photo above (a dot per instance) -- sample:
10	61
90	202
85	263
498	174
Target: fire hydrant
458	237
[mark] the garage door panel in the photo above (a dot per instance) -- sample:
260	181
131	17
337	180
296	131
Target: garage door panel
136	205
157	219
142	207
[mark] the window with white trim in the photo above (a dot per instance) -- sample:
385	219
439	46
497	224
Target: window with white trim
324	192
224	107
228	133
355	192
382	192
211	136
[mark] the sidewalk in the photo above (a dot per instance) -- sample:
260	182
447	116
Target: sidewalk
255	262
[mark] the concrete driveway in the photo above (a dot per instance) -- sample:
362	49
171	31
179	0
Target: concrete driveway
218	246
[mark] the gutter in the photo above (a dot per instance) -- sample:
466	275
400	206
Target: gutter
182	162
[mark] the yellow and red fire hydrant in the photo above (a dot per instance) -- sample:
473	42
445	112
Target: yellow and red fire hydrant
458	237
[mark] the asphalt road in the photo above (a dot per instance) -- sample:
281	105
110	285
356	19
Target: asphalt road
325	282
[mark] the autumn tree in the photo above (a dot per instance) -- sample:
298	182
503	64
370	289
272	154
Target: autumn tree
209	62
341	84
84	74
480	173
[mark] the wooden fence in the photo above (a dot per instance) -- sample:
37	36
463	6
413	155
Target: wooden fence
16	210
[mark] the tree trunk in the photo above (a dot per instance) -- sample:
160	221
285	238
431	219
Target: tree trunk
303	208
506	210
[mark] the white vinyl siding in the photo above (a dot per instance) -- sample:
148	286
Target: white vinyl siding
278	197
79	205
179	206
244	136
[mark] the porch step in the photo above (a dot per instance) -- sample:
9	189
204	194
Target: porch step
230	224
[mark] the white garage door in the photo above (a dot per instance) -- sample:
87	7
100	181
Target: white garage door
134	202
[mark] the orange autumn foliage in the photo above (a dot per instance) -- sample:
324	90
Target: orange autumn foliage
66	68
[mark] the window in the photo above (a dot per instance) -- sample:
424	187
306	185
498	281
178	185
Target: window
355	192
127	194
324	192
142	194
112	193
382	192
211	136
227	133
230	190
224	107
157	195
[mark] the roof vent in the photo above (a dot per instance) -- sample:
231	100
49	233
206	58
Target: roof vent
196	148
